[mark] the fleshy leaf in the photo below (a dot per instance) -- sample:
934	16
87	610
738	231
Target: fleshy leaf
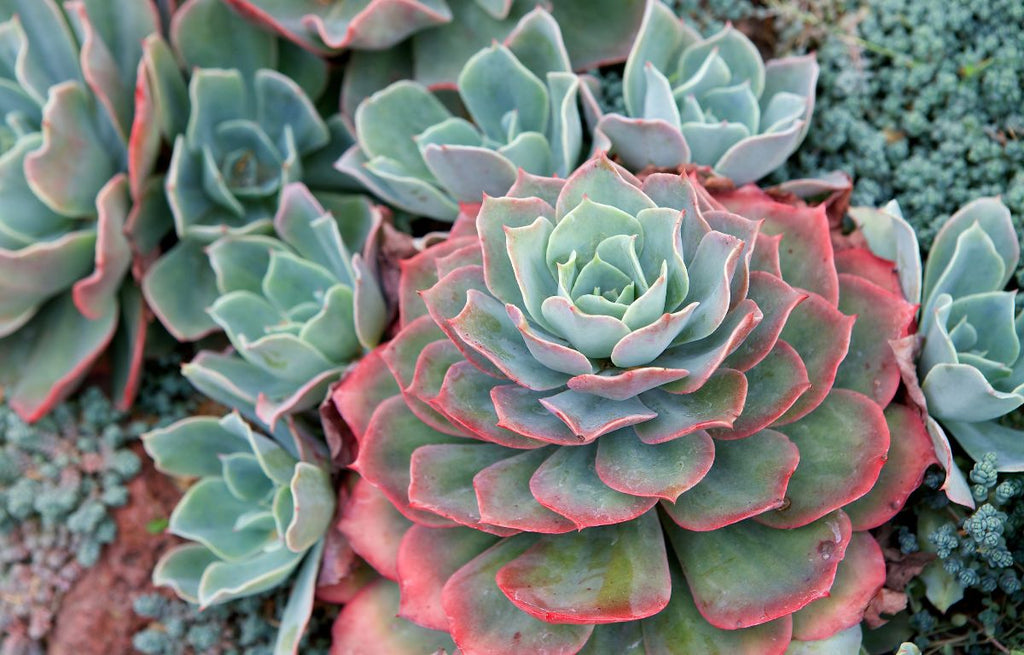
552	580
747	574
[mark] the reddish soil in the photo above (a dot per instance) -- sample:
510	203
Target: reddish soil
96	616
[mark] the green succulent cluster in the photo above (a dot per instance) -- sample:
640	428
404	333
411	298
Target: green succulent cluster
256	516
711	102
529	111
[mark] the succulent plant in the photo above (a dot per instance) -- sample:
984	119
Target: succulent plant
594	368
444	34
298	307
256	515
252	128
525	102
971	364
711	102
68	110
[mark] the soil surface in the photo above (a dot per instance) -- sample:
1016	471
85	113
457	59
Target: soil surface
96	616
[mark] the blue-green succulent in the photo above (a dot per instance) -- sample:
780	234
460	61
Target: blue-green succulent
256	517
529	111
710	102
298	306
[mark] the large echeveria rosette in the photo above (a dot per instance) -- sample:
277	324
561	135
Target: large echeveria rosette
711	102
528	110
252	127
298	306
608	363
69	131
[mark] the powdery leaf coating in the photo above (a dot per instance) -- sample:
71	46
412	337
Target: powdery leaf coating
527	413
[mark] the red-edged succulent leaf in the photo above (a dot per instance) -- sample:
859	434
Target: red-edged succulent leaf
820	334
805	254
446	300
625	384
465	399
717	404
679	628
431	367
747	574
766	254
567	483
369	624
504	497
484	621
665	470
911	452
442	480
52	353
776	300
362	390
374	528
419	273
499	215
774	384
864	263
128	347
95	295
749	476
426	559
484	325
843	445
520	411
859	577
702	358
592	577
870	366
386	449
401	355
590	416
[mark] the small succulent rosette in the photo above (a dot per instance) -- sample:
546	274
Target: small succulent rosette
431	40
527	108
621	412
252	127
710	102
256	515
68	138
298	307
970	362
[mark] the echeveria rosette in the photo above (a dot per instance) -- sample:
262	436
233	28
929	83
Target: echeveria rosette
255	516
528	111
970	364
68	133
629	409
711	102
430	40
299	307
253	128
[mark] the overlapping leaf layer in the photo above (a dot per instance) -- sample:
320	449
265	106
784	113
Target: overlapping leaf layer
662	412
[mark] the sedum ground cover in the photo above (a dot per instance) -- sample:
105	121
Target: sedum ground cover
507	329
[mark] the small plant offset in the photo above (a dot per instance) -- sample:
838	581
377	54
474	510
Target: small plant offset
621	399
